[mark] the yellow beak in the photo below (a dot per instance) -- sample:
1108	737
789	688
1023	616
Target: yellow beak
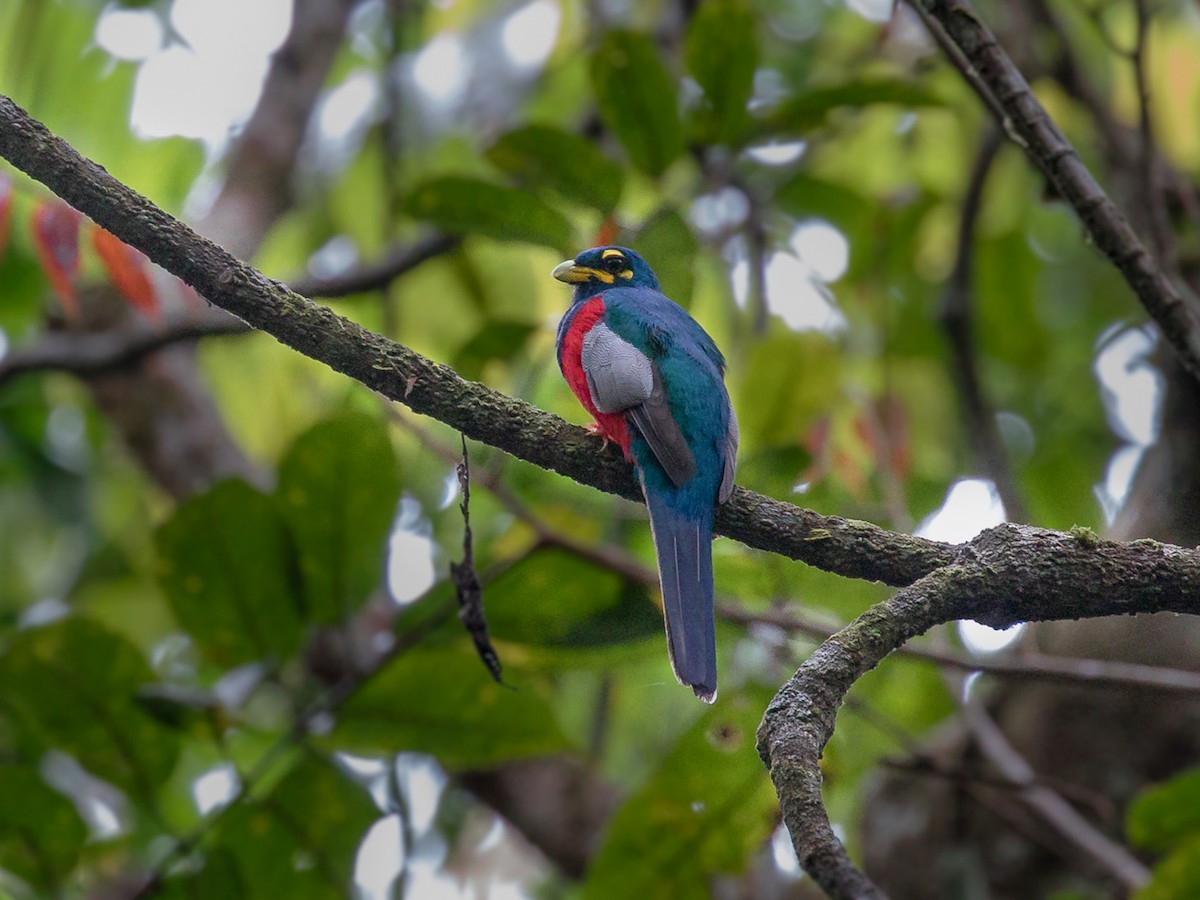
573	273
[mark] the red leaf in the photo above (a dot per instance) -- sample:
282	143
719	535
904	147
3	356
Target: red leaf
6	195
127	270
884	429
607	232
56	235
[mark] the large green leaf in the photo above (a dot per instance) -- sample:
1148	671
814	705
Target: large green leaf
1177	877
669	246
40	831
805	196
300	840
470	206
783	387
495	339
544	156
219	876
338	488
637	100
722	53
1166	815
443	702
707	810
74	683
226	565
553	598
808	110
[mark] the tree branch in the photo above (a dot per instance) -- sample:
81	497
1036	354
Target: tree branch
988	69
851	548
1008	574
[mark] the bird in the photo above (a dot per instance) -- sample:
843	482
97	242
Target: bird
654	381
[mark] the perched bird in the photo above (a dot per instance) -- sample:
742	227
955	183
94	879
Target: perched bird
654	381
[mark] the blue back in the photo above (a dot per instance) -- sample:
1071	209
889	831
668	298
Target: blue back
692	368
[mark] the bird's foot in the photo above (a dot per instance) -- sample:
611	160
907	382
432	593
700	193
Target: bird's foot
594	428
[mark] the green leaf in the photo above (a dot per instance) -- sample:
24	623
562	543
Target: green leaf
722	54
444	703
553	598
225	564
668	244
706	810
40	831
544	156
74	683
470	206
300	840
637	100
809	110
496	339
220	877
1166	815
338	488
783	388
1177	877
805	196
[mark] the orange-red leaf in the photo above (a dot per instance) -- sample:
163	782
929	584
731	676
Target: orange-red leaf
884	429
127	270
5	211
607	232
56	236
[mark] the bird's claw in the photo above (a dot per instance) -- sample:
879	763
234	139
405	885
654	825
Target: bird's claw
594	428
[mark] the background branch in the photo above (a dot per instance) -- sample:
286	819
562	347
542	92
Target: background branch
957	320
90	352
984	62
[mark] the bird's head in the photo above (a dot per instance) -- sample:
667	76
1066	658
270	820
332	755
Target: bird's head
601	268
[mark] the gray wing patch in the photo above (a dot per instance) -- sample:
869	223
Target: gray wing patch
730	457
619	375
623	379
653	419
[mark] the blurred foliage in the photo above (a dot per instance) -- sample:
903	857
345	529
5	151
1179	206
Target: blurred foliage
1165	818
146	645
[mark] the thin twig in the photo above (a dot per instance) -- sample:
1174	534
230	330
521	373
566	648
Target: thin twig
956	318
1158	224
371	277
89	353
1026	667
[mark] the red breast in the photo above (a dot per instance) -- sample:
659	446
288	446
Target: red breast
612	425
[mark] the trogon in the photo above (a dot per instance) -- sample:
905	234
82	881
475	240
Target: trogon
654	381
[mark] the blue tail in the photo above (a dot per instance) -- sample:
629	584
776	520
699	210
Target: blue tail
684	549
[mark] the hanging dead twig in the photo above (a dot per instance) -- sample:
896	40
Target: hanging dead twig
466	579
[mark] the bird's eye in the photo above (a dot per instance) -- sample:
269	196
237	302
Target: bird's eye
614	264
